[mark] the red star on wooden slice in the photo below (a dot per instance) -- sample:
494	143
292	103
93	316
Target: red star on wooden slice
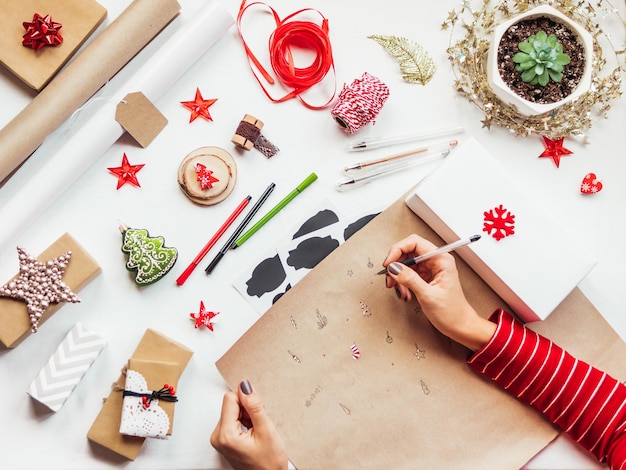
554	149
126	173
199	106
203	318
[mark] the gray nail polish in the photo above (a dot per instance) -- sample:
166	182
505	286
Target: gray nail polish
398	294
394	268
246	388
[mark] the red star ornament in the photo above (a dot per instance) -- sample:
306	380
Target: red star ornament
203	318
199	106
205	177
126	173
554	149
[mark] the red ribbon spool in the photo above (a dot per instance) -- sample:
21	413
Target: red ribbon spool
290	34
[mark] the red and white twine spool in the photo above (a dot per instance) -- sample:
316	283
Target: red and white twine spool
359	103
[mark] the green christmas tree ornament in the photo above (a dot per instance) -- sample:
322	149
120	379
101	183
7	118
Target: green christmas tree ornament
147	255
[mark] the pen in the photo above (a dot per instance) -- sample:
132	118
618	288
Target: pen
374	144
400	156
240	228
229	221
287	199
388	168
443	249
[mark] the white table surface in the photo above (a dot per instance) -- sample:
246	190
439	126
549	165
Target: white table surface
91	208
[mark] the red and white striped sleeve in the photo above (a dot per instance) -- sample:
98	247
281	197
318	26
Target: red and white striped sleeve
585	402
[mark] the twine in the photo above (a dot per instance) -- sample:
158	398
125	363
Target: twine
359	103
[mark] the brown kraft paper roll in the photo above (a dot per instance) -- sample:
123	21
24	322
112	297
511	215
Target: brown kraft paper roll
135	27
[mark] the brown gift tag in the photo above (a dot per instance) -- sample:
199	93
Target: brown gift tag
105	430
82	268
140	118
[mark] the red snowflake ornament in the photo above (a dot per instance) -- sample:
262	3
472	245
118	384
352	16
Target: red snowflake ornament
554	149
126	173
590	184
199	107
41	32
500	221
205	177
203	318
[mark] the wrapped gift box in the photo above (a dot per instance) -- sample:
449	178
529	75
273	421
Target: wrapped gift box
14	322
153	418
79	19
66	367
153	348
532	269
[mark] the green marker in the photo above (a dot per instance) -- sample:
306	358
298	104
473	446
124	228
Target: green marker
252	230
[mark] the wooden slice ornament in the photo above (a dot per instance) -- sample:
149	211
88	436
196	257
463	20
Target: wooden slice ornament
207	176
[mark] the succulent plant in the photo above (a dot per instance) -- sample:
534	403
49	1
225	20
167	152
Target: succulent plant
541	59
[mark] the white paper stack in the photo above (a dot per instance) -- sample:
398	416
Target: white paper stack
532	269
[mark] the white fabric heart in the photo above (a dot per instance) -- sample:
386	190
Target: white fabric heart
138	420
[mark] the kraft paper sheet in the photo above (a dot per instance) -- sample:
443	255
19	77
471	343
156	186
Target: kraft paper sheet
135	27
409	400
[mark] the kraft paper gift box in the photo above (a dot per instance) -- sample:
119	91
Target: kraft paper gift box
79	19
66	367
532	269
14	321
154	347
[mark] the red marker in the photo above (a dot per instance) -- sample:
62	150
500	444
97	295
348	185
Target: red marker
183	277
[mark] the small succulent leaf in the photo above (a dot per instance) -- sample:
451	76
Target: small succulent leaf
539	68
525	47
544	78
557	67
552	40
521	57
555	75
541	36
563	59
528	75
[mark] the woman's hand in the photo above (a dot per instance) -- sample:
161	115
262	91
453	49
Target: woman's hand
436	285
258	447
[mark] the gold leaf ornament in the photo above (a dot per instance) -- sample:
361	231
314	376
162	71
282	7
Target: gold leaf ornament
415	63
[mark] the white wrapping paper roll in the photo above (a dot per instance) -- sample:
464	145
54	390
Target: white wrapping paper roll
101	131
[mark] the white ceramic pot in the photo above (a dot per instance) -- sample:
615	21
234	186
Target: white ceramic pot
504	93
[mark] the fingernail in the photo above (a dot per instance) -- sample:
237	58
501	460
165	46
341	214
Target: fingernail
394	268
246	388
398	294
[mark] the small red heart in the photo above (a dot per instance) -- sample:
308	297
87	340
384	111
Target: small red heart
590	184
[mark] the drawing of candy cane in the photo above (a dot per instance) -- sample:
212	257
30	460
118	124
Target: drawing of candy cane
355	351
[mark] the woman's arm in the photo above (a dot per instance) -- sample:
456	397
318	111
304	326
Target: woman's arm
585	402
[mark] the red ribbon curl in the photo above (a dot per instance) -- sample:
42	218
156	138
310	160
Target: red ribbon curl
290	33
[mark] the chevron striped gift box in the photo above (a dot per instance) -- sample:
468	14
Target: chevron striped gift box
66	367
